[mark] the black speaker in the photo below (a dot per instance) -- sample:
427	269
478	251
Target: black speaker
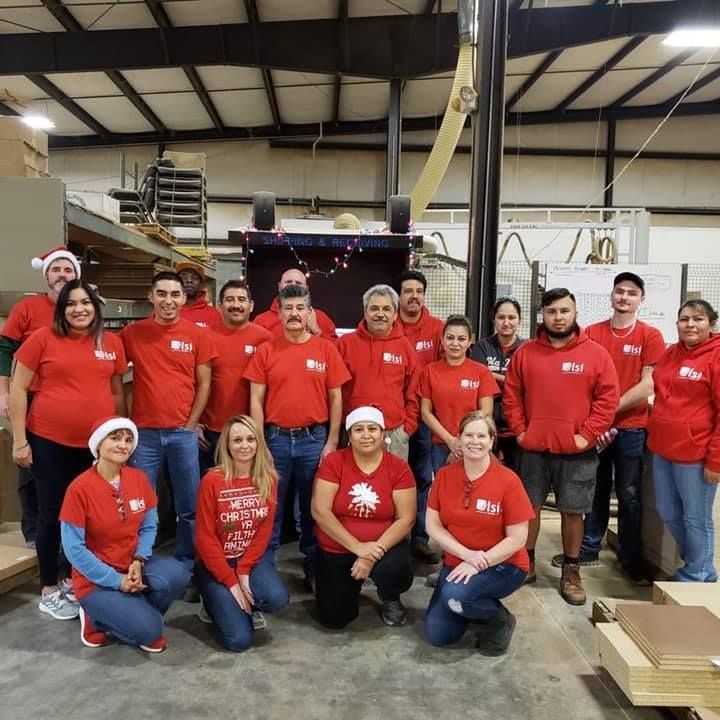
263	210
399	211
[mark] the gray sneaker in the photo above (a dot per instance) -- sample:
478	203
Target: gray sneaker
66	588
203	614
432	579
393	613
258	620
58	606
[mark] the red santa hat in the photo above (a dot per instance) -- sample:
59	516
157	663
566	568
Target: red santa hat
102	428
59	253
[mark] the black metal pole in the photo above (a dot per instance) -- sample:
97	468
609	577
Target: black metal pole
491	18
394	143
610	162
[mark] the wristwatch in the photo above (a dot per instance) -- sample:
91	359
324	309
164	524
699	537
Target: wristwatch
140	559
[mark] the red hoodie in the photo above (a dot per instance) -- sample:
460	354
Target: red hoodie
551	394
385	373
201	312
684	424
425	336
270	320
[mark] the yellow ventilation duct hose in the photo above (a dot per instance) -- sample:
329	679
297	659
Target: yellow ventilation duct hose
447	139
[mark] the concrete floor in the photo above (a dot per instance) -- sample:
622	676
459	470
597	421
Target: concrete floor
298	670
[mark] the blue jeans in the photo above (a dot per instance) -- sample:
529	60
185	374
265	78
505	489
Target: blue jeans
233	625
207	457
421	466
439	455
623	460
479	601
179	449
297	456
137	618
684	502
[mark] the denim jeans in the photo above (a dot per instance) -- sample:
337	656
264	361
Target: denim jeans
684	502
296	455
137	618
207	457
478	599
623	460
438	456
233	625
421	465
179	449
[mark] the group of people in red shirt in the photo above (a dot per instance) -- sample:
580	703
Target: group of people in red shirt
435	434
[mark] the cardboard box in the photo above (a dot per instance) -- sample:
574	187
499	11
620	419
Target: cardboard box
12	128
15	560
18	159
97	202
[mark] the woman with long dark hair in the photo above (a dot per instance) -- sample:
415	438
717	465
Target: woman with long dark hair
75	370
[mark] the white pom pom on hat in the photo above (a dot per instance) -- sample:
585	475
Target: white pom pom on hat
366	413
44	261
102	428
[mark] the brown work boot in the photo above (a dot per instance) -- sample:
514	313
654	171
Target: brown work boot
571	587
531	576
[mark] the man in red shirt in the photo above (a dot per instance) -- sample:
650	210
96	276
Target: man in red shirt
561	394
58	266
197	309
318	322
635	348
171	383
384	368
236	340
295	394
424	331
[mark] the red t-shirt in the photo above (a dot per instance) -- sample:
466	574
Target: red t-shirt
455	390
232	522
230	392
630	354
201	312
363	503
71	384
497	499
91	504
164	359
27	316
298	377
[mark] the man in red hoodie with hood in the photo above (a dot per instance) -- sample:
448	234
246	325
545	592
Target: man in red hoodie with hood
197	309
384	368
561	394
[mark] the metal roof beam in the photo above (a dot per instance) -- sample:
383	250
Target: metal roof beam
342	56
254	21
533	78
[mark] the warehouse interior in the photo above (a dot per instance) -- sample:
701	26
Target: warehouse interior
585	124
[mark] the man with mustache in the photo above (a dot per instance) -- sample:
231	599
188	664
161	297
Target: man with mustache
295	394
236	340
561	394
424	331
384	368
58	266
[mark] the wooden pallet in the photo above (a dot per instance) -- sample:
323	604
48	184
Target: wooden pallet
155	231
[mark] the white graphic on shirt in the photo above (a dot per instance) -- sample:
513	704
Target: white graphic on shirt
364	500
104	355
249	349
422	345
137	504
392	358
180	346
488	507
492	363
690	373
573	367
632	349
467	384
315	365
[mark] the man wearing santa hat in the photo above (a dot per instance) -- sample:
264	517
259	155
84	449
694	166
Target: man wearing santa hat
58	266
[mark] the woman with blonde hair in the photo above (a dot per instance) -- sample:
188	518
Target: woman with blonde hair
235	512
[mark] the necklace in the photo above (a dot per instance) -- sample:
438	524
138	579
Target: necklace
628	333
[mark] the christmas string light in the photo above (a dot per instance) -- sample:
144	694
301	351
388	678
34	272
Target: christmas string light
339	262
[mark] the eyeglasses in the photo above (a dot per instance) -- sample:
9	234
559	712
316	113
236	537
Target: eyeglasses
466	494
122	512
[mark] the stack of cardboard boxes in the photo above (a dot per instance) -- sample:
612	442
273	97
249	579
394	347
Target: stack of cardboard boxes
23	150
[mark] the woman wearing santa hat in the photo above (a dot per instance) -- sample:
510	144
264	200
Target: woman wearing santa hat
75	370
364	504
58	266
109	522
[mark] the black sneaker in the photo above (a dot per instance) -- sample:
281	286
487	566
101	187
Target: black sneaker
590	560
637	576
393	613
192	594
495	637
423	551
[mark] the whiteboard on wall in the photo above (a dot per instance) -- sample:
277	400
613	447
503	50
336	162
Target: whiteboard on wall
592	285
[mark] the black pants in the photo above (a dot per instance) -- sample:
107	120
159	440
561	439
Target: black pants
507	445
28	503
337	593
54	467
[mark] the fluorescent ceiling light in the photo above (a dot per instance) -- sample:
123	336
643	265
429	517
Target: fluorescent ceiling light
38	122
694	37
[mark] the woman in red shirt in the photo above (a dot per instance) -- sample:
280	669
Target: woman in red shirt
75	370
109	523
233	524
478	513
364	504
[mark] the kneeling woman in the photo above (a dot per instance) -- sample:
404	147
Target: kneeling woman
108	525
478	513
364	504
233	523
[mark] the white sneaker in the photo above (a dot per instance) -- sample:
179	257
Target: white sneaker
203	614
258	620
58	606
